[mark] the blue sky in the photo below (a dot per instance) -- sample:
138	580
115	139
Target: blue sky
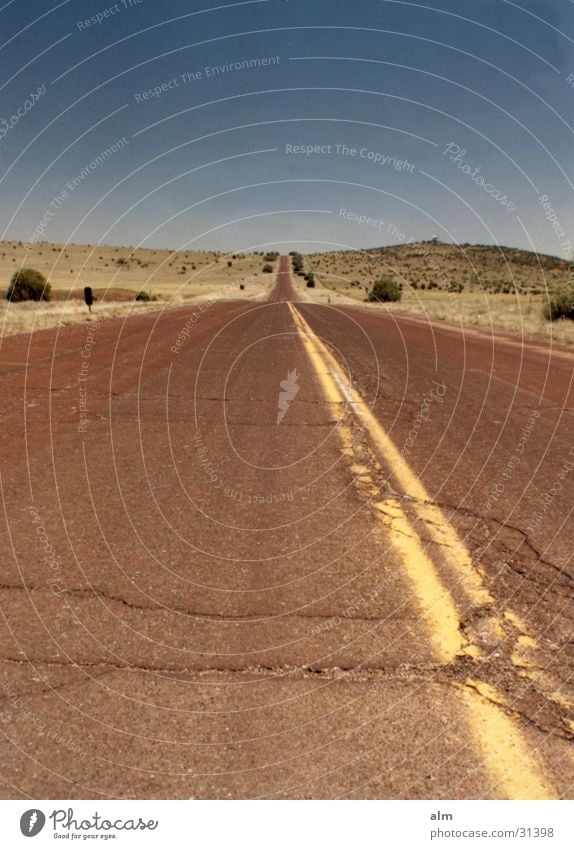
459	113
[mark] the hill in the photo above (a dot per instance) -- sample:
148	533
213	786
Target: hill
426	266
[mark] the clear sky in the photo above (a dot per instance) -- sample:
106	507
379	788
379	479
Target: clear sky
292	124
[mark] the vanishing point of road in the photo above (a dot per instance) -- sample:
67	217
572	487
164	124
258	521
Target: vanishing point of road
283	549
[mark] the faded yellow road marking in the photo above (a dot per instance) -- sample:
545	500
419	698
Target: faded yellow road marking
514	771
440	530
510	765
435	601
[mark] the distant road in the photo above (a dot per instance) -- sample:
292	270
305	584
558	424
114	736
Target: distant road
282	549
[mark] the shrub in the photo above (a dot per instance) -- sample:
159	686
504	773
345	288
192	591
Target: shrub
385	290
27	284
297	262
560	304
267	269
142	295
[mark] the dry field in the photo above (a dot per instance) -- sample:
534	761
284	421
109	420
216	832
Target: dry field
502	288
116	275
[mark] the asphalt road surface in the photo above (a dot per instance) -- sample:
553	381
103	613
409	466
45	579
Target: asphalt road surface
281	549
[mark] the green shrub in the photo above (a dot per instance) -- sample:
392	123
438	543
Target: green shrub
560	304
142	295
385	290
267	269
297	262
27	284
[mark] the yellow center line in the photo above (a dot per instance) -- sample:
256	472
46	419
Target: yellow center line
513	770
435	602
440	530
512	767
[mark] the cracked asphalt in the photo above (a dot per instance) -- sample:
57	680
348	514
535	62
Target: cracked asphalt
201	602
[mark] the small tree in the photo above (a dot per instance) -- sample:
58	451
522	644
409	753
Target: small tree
385	290
27	284
267	269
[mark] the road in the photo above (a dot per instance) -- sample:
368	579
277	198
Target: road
285	550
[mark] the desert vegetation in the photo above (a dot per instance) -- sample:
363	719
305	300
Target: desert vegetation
27	284
385	290
122	279
473	285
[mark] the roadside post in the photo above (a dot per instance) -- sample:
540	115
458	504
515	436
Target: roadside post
88	297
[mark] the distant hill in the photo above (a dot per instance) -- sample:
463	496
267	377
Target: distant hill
430	265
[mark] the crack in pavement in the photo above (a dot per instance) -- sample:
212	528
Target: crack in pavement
458	674
208	617
466	511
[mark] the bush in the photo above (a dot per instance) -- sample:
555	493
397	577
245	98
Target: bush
267	269
142	295
297	262
28	285
560	304
385	290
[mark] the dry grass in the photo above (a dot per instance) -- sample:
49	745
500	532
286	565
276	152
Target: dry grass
29	316
484	272
116	275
